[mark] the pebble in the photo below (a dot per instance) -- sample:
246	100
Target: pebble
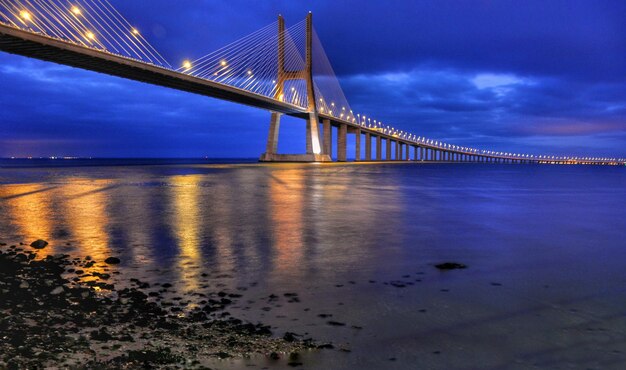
112	261
39	244
450	266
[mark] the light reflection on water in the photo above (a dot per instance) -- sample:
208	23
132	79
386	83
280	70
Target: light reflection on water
308	228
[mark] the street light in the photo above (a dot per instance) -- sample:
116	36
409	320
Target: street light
25	15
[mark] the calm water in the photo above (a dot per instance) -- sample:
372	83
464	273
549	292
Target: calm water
545	245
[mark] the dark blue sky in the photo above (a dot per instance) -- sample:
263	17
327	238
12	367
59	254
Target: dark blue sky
543	77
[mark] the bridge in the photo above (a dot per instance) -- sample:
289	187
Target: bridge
283	70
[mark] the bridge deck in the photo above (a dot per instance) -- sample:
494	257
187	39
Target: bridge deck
42	47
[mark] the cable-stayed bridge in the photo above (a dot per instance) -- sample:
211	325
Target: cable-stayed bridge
283	70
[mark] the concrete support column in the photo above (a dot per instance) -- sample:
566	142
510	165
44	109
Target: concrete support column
368	146
415	153
388	149
422	154
379	148
342	142
272	138
328	137
407	156
357	154
313	142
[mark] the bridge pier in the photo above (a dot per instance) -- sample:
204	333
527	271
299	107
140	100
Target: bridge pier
357	154
272	139
407	156
313	146
342	142
368	146
328	137
379	148
388	150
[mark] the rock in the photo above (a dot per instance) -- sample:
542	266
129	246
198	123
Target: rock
335	323
24	285
450	266
56	291
290	337
39	244
112	261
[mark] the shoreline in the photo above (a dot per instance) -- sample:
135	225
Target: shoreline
67	311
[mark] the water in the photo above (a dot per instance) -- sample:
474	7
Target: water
545	246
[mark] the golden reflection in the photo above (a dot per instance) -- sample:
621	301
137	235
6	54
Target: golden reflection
83	206
187	228
286	194
224	224
28	206
131	207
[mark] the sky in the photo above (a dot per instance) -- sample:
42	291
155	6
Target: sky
532	76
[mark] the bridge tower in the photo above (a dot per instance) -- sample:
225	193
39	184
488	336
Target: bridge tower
313	143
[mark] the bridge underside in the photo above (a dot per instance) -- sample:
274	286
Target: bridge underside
41	47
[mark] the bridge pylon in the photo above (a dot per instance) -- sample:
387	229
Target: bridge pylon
314	151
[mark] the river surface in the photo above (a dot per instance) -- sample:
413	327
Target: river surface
545	248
